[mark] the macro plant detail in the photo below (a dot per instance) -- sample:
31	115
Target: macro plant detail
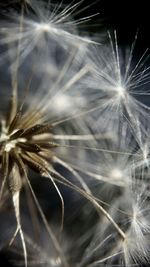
74	141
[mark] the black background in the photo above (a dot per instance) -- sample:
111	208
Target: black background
127	17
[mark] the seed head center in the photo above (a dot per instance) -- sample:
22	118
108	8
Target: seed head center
12	143
5	139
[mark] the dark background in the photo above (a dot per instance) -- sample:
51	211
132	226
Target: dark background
127	17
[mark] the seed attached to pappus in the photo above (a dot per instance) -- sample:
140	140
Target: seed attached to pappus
24	145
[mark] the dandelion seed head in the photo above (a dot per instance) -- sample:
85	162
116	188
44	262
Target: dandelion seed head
145	154
116	174
56	262
140	213
62	103
120	90
50	129
5	138
44	27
